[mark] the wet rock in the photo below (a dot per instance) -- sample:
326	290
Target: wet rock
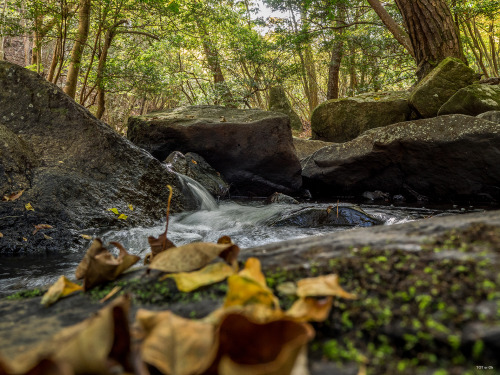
307	147
280	198
472	100
375	195
252	149
441	158
194	166
310	217
73	166
439	85
340	120
278	102
490	116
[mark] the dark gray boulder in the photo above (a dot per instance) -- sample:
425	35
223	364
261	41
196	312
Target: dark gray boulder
449	76
73	167
306	147
194	166
443	158
490	116
473	100
278	102
252	149
280	198
340	120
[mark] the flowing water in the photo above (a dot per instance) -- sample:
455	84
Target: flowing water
246	222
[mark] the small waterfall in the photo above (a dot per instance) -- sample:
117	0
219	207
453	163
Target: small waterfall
198	192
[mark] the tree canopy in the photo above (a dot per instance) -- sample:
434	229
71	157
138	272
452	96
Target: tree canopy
122	57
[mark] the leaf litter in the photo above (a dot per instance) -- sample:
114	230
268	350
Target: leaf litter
249	334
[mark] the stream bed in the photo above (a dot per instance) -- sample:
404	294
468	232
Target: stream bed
246	222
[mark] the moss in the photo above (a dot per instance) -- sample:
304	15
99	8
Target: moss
26	294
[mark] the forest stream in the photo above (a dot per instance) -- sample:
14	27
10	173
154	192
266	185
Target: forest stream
245	221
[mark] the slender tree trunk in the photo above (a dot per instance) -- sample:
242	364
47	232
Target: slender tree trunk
432	32
336	57
2	37
312	78
77	52
55	60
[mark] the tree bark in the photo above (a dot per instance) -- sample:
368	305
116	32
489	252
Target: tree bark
432	31
2	37
77	52
336	58
397	31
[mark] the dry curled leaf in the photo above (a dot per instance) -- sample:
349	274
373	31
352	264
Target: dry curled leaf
29	207
41	226
211	274
94	346
1	234
175	345
61	288
193	256
247	347
13	196
310	309
86	236
99	265
322	286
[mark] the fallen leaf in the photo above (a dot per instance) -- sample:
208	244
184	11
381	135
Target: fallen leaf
1	234
130	207
99	265
193	256
47	237
247	347
13	196
310	309
61	288
211	274
287	288
322	286
176	345
114	210
29	207
44	367
94	346
252	270
194	161
41	226
25	239
122	217
86	236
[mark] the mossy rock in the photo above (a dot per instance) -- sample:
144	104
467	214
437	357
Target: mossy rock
340	120
473	100
439	85
278	102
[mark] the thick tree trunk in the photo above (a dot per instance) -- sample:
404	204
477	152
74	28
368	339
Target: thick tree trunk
432	31
77	52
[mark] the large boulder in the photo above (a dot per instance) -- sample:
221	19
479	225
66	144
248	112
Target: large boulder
306	147
449	76
72	167
340	120
472	100
443	158
278	102
252	149
490	116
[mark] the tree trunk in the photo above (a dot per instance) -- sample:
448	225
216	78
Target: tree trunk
432	32
77	52
311	77
2	37
336	57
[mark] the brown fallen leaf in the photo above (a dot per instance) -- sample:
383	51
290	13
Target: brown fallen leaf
41	226
247	347
86	236
175	345
44	367
310	309
1	234
322	286
61	288
95	346
211	274
192	256
13	196
110	295
99	265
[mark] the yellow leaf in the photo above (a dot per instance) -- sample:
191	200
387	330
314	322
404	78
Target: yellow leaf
211	274
41	226
310	309
99	265
1	234
47	237
253	271
86	236
114	210
193	256
122	217
321	286
25	239
13	196
108	296
176	345
130	207
61	288
29	207
194	161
